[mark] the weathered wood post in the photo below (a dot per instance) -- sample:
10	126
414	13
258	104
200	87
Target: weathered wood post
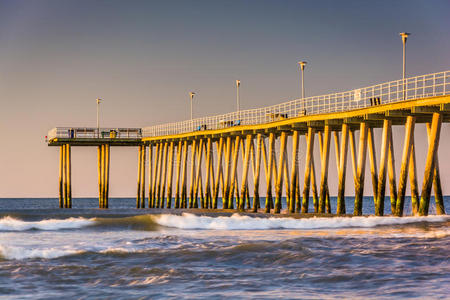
198	173
69	176
413	178
439	199
324	169
279	182
155	175
341	210
150	173
144	152
208	172
430	162
219	171
359	187
309	154
100	179
191	191
268	163
381	189
245	165
183	177
373	164
107	167
233	171
177	180
294	170
138	194
391	173
257	163
159	176
227	174
170	175
164	175
409	130
60	178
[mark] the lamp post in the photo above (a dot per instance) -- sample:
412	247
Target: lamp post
238	84
98	119
302	65
191	96
404	36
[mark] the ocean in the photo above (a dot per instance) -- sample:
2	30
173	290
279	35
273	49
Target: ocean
125	253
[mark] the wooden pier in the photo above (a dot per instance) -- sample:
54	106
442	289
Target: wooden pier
211	160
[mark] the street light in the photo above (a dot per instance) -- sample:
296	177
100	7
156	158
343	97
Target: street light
98	119
302	65
238	83
404	36
191	96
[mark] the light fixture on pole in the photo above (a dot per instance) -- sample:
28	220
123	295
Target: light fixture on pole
302	65
238	84
404	36
191	96
98	119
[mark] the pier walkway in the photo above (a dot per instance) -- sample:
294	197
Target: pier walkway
191	163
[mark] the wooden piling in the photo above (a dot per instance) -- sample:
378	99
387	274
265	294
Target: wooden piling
409	130
341	210
286	178
170	175
294	170
279	178
191	191
391	173
219	170
177	180
439	199
150	174
69	176
227	174
158	176
144	154
359	187
183	177
308	163
245	165
257	164
381	189
100	184
324	169
233	171
164	176
435	132
373	164
64	176
107	167
138	194
208	172
60	178
198	172
413	178
314	186
155	176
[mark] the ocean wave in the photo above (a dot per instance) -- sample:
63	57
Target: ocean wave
239	222
19	253
11	224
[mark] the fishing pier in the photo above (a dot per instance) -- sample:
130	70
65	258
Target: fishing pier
194	163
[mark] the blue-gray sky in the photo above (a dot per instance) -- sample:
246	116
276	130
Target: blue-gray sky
143	57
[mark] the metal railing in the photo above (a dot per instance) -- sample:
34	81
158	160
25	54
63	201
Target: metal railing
94	133
423	86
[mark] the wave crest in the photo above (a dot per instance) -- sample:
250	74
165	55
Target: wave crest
239	222
11	224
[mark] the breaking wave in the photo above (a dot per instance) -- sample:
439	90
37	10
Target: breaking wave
11	224
239	222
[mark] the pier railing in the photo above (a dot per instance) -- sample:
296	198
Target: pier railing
94	133
437	84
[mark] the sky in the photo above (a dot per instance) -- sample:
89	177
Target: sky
144	57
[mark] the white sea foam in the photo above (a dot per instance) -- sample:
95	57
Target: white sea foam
10	252
12	224
239	222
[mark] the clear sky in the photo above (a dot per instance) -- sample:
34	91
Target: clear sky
143	57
